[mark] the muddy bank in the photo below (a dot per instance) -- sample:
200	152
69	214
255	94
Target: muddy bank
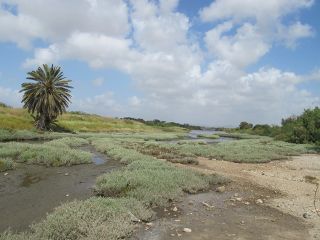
29	192
233	214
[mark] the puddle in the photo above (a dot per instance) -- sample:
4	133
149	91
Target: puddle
98	160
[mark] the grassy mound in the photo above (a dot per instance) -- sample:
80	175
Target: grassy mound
139	178
248	151
55	153
95	218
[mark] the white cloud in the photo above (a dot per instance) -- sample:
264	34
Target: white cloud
101	104
261	11
153	43
98	82
135	101
10	97
243	48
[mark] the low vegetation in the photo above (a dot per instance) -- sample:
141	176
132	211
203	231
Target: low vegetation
96	219
210	136
248	151
6	164
143	172
55	153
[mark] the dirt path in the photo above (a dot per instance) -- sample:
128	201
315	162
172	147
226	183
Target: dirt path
284	210
290	178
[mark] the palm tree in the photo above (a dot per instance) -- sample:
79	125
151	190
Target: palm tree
48	96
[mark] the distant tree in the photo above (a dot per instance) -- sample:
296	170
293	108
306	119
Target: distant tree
245	125
48	96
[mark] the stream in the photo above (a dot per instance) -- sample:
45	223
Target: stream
31	191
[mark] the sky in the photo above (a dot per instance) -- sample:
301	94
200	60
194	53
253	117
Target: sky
212	63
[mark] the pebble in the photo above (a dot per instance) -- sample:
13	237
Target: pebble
187	230
149	224
66	174
239	199
306	215
175	209
236	195
247	203
67	195
259	201
6	174
221	189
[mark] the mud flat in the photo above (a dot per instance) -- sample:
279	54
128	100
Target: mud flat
233	214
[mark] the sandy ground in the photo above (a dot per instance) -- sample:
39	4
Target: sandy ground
284	210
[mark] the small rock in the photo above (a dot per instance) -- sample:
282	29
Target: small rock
179	234
172	234
259	201
66	174
239	199
187	230
6	174
67	195
133	218
166	210
149	224
242	222
236	195
306	215
247	203
177	220
221	189
175	209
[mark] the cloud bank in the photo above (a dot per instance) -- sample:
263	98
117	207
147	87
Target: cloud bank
184	76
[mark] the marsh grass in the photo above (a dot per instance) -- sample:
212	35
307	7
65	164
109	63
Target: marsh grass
210	136
6	164
247	151
55	153
93	219
147	179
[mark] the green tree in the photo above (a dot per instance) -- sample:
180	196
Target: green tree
47	97
245	125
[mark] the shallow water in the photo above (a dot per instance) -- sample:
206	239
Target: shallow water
193	137
30	191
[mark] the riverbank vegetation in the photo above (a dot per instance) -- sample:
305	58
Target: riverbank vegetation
304	128
127	195
55	153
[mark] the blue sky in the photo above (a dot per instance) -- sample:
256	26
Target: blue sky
204	62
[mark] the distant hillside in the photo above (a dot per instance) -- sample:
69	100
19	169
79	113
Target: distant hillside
159	123
16	118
